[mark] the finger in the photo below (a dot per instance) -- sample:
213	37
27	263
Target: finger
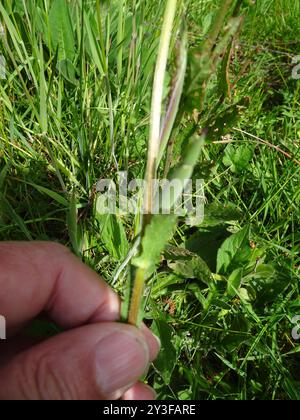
15	345
38	276
152	340
140	391
99	361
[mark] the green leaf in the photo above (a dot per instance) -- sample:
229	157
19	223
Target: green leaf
156	235
95	50
61	30
223	85
234	252
57	197
224	120
206	22
266	283
206	243
231	366
191	152
113	235
73	226
164	282
238	157
68	71
216	214
187	264
183	171
292	388
197	292
43	93
234	282
166	360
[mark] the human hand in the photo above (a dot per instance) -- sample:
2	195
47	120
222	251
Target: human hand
95	358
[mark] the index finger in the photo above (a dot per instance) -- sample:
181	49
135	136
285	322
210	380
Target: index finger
45	276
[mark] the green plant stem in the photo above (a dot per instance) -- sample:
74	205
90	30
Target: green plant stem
137	296
156	107
175	97
154	146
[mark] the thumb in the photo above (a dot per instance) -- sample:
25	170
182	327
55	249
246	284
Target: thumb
99	361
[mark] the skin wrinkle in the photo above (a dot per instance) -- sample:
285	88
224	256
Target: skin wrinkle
39	374
54	302
56	283
24	375
13	264
49	381
59	277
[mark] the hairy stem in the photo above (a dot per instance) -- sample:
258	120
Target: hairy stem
156	106
137	296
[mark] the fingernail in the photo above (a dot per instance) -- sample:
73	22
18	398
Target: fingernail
121	359
152	394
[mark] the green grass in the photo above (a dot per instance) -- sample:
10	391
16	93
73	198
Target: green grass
76	104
